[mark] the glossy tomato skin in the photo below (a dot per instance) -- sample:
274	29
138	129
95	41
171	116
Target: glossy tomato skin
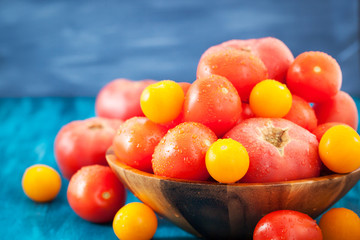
340	108
287	225
135	141
214	102
120	99
314	76
274	53
302	113
95	193
181	152
84	142
243	69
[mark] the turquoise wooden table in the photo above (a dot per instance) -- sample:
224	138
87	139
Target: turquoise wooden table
27	133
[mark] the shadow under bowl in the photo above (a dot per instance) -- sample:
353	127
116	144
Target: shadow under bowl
229	211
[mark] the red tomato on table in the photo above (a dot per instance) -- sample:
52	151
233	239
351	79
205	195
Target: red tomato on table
84	142
287	225
96	194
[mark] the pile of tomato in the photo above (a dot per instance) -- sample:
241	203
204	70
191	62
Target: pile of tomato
254	114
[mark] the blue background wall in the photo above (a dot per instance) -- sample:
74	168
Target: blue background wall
73	48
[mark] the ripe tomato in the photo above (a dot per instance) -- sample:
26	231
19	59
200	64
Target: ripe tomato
340	223
120	99
339	108
322	128
274	53
41	183
214	102
84	142
227	161
243	69
287	225
246	112
302	113
270	98
135	221
95	194
314	76
162	102
339	149
181	152
135	141
279	150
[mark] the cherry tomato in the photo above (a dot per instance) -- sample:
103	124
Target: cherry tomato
302	113
243	69
340	223
120	99
270	98
287	225
84	142
181	152
95	194
339	108
214	102
162	102
227	161
135	221
314	76
41	183
339	149
135	141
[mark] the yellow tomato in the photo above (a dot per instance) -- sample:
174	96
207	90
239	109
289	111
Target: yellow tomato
227	161
270	98
162	102
339	149
340	223
41	183
135	221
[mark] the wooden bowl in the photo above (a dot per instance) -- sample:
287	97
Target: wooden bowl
223	211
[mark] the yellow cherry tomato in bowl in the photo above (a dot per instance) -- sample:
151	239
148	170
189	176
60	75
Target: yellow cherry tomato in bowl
41	183
162	102
340	223
270	98
135	221
339	149
227	160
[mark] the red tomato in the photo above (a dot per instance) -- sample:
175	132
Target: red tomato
276	56
120	99
84	142
135	141
214	102
95	193
340	108
287	225
246	112
243	69
181	152
302	113
322	128
314	76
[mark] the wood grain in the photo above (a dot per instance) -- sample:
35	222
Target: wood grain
220	211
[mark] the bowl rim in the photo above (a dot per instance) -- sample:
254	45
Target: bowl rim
111	157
